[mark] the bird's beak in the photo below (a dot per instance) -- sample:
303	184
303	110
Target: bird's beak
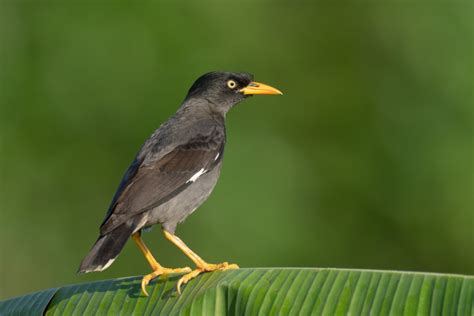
259	88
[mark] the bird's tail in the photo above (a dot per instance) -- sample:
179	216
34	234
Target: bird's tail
106	249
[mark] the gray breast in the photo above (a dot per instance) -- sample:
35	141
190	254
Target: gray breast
176	210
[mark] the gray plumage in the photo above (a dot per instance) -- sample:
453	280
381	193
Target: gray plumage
174	172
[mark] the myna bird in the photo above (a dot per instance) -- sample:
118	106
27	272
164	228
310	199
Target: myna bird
174	172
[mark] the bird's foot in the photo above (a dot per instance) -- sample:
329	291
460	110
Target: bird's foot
161	271
206	267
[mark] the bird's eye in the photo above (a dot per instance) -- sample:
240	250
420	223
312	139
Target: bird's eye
231	84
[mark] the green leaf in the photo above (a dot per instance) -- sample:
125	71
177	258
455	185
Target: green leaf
269	291
31	304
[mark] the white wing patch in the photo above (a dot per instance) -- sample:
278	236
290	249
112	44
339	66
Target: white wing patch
217	156
197	175
101	268
108	263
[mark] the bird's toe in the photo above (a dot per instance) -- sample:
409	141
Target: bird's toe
232	266
162	271
220	266
146	279
176	270
186	278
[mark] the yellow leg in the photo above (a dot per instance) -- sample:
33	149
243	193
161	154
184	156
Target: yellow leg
157	268
201	265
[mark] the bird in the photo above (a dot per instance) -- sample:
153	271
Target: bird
172	174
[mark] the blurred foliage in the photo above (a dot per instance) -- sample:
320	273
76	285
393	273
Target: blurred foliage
367	161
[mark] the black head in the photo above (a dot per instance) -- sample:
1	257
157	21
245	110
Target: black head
226	89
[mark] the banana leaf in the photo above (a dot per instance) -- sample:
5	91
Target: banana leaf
263	291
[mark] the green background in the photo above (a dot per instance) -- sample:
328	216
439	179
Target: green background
367	161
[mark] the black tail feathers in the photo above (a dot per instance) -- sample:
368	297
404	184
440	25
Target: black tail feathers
106	249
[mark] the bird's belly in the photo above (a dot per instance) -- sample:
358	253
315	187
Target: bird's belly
176	210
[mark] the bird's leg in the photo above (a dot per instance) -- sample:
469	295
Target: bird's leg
201	265
157	268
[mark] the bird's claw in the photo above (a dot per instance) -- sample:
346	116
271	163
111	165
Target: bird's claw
162	271
186	278
207	267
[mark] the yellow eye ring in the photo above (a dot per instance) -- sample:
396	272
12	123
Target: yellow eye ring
231	84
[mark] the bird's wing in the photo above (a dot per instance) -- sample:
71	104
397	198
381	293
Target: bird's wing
151	184
124	183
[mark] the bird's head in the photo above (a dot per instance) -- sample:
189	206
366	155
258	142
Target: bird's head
226	89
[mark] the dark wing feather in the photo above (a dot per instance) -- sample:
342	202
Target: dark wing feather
157	182
126	180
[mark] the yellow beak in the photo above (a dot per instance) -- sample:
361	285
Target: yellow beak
259	88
